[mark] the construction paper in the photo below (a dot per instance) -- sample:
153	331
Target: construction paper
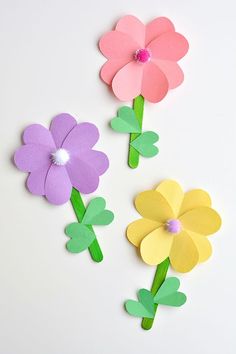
96	214
142	308
168	294
55	178
156	246
185	247
144	144
138	106
126	121
140	228
151	78
79	209
202	220
81	237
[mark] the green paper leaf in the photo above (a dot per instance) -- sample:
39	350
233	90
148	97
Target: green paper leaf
96	214
81	237
169	286
134	308
142	308
126	121
144	144
176	299
168	294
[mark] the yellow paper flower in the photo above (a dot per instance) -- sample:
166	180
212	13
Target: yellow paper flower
174	225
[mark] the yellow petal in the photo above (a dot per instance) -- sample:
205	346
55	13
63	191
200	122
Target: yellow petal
203	245
138	229
202	220
156	246
193	199
173	193
152	205
184	254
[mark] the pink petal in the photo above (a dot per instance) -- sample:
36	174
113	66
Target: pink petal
61	126
157	27
172	71
155	84
83	137
118	45
83	177
169	46
30	157
132	26
96	159
110	68
127	83
58	185
36	180
38	134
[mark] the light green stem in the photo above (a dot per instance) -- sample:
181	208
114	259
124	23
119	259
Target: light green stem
158	280
138	106
79	209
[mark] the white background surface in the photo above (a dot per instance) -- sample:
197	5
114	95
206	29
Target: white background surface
52	302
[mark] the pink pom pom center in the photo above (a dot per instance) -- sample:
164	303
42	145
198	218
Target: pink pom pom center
173	226
142	55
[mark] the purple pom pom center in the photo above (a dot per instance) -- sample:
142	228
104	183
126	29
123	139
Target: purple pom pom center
142	55
173	226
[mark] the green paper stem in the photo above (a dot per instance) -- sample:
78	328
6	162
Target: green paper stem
138	106
158	280
79	209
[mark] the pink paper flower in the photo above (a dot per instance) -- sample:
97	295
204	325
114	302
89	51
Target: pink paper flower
142	59
61	158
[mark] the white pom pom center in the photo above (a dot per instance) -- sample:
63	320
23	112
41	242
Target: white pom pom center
60	157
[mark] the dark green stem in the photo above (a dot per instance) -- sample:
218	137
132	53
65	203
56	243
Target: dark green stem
79	209
158	280
138	106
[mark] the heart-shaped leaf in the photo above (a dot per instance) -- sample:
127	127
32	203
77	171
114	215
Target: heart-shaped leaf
176	299
81	237
142	308
126	121
144	144
168	294
96	214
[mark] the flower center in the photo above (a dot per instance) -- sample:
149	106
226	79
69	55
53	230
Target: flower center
142	55
60	157
173	226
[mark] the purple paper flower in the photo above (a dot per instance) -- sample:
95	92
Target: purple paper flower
61	158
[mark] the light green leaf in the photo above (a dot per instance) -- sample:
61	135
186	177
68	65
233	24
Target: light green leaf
96	214
126	121
144	144
80	237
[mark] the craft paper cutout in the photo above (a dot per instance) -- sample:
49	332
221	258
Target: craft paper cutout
166	295
144	144
126	121
173	231
141	64
96	214
61	163
80	237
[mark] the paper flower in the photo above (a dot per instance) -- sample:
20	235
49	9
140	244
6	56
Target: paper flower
61	158
173	230
62	163
142	62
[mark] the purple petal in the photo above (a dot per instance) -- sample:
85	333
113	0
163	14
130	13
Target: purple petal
61	126
37	134
83	177
32	157
83	137
58	185
96	159
36	180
